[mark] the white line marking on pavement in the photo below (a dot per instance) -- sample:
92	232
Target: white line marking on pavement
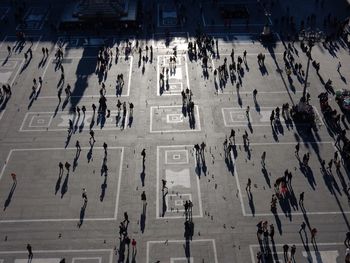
198	126
187	76
109	251
130	72
238	184
119	182
182	241
99	259
187	149
251	247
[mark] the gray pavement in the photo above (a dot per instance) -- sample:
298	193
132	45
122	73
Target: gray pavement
45	208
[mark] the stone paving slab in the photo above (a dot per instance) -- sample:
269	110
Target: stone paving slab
171	119
43	193
9	70
82	75
54	256
330	184
326	253
51	121
178	251
177	166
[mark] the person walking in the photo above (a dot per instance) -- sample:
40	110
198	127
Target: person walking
77	145
285	252
301	199
143	154
232	135
84	196
292	252
249	185
92	136
263	157
313	235
302	228
67	166
30	252
272	232
105	148
338	66
133	244
347	240
297	147
14	177
247	113
144	201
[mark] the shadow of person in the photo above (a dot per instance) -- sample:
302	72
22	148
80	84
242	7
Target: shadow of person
266	176
164	205
64	188
103	189
143	176
251	202
58	183
82	215
142	222
9	197
131	119
134	253
89	154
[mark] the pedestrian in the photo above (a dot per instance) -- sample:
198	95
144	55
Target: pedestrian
60	165
92	136
297	147
245	55
347	240
339	66
77	145
255	92
143	154
313	235
131	107
285	252
126	217
133	244
249	185
84	196
67	165
30	252
232	135
301	199
337	165
330	164
105	148
14	177
272	232
292	252
335	156
263	156
247	113
164	184
302	227
259	256
144	199
272	117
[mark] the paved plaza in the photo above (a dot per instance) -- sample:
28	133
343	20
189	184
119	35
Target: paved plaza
183	187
